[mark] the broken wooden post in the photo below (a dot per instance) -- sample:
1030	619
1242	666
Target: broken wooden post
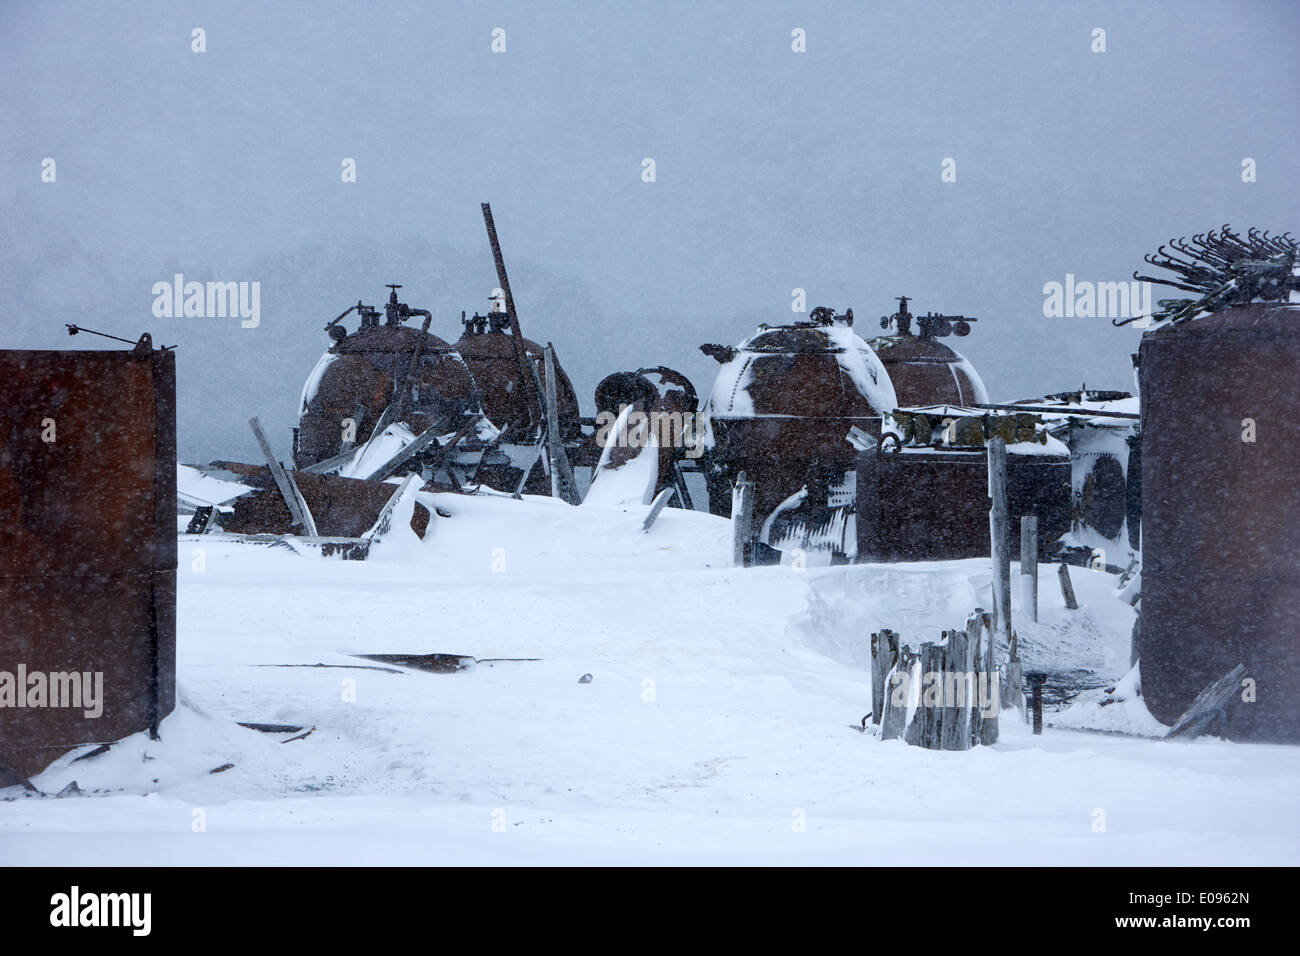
1013	679
1029	565
1208	708
897	685
563	484
1067	589
298	511
884	655
1036	680
984	727
958	690
742	520
999	537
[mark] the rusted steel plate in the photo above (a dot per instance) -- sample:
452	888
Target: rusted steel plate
87	548
341	507
934	506
1221	515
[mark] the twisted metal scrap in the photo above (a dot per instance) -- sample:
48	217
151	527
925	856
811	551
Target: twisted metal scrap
1223	269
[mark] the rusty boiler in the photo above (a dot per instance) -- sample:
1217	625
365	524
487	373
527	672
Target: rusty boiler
781	410
924	370
488	348
383	370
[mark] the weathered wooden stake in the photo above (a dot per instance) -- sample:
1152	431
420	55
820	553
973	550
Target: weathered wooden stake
1067	589
1000	538
742	520
959	689
1029	565
1036	682
984	729
895	720
884	655
656	506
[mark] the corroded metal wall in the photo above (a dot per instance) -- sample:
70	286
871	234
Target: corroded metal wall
934	505
87	542
1221	515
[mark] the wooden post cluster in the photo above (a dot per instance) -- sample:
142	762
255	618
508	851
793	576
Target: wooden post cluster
950	714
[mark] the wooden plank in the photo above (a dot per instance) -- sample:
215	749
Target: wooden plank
1067	589
656	506
1029	565
384	523
959	688
422	441
924	731
895	719
298	511
1208	708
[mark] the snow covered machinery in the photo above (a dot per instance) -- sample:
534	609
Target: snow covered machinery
389	398
782	409
385	385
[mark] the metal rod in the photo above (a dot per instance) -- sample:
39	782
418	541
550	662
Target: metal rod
74	329
535	410
1047	409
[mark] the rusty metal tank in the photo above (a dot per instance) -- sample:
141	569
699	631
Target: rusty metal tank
782	408
1221	514
489	350
376	366
87	548
924	370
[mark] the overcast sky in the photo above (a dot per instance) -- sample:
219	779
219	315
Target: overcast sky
775	170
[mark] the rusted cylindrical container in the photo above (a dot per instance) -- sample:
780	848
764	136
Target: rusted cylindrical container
782	408
491	357
927	372
1221	515
87	549
357	379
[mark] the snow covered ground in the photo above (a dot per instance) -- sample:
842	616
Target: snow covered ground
719	726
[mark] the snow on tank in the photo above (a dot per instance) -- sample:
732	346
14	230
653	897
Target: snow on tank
924	370
812	368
